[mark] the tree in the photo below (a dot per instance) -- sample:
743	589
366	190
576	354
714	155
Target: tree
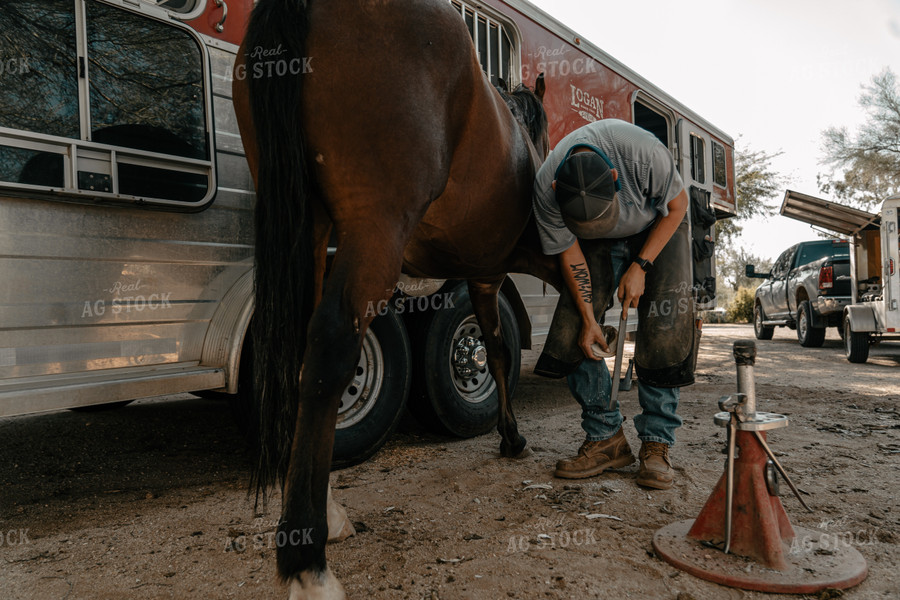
869	158
756	183
740	309
730	268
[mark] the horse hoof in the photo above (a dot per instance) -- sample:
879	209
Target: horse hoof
514	450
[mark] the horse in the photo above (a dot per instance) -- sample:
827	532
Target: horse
369	120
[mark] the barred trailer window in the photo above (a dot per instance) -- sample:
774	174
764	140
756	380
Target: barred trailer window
493	44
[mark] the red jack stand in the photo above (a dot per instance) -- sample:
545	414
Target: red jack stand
743	537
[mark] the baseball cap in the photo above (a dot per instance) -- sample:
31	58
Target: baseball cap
586	192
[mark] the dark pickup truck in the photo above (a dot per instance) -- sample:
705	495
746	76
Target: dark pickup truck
807	290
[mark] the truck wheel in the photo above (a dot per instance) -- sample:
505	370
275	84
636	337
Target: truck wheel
807	335
763	332
856	343
453	391
372	404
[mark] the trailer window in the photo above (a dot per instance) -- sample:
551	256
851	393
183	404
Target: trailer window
720	171
123	118
146	84
493	44
39	82
698	160
647	118
38	85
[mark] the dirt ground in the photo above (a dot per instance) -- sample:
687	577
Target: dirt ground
149	501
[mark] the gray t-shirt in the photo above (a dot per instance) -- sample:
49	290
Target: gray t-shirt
647	174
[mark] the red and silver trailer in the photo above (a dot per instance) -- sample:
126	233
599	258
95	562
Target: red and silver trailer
126	243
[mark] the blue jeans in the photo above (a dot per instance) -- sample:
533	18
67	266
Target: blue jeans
591	386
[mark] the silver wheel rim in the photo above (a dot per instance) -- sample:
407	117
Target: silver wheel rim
360	397
758	320
802	325
468	363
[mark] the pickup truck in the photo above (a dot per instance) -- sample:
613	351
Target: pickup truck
807	290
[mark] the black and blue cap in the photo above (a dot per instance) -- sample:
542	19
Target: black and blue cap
586	192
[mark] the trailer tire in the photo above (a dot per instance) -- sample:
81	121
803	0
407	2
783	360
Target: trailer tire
384	369
762	332
807	335
364	423
856	343
460	400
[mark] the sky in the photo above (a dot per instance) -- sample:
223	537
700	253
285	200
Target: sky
773	74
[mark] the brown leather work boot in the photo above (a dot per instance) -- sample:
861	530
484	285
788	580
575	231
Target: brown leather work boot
595	457
656	469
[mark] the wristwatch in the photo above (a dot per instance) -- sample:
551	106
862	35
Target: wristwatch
644	264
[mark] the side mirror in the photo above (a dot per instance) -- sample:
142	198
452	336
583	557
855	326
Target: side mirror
750	271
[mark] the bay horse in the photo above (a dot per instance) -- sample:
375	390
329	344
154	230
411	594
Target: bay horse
371	119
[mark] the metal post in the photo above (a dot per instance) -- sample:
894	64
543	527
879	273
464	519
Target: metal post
745	358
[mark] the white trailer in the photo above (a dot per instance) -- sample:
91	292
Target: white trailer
873	314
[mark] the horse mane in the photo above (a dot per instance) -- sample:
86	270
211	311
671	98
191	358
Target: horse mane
527	108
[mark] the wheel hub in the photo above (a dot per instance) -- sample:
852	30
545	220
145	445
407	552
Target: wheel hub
469	357
468	362
361	395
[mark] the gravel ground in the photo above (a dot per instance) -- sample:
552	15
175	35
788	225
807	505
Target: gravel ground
149	501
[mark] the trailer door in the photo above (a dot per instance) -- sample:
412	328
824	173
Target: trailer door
890	252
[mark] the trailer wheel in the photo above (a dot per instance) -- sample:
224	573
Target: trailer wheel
453	391
762	332
373	403
807	335
856	343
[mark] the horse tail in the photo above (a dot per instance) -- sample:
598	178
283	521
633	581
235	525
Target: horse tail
284	236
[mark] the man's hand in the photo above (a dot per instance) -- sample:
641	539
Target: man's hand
591	333
631	287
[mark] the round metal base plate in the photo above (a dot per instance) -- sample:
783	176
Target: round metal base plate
764	421
815	562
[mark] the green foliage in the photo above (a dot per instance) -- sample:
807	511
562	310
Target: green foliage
757	185
731	265
740	309
865	166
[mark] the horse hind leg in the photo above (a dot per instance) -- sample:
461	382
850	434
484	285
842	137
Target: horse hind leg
487	311
335	334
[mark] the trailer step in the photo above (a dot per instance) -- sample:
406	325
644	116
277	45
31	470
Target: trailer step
55	392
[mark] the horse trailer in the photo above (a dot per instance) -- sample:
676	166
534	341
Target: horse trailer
126	223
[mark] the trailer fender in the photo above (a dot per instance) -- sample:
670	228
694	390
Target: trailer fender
514	298
227	330
862	318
